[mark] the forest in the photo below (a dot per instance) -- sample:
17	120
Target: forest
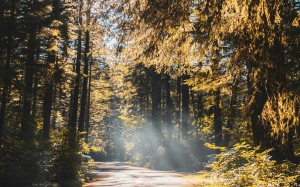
201	86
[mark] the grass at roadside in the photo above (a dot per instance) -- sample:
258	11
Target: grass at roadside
205	179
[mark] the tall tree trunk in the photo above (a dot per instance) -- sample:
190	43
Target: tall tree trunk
258	99
147	91
72	96
288	151
178	105
72	161
74	103
194	106
169	109
141	91
279	75
34	99
185	106
2	8
35	84
6	73
53	120
49	98
47	108
232	110
200	105
218	119
85	81
196	115
217	111
88	105
156	103
27	125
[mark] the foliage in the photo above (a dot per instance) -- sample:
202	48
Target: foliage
214	147
244	165
86	149
149	82
17	162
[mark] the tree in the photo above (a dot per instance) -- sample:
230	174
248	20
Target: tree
86	72
185	105
72	123
6	75
52	62
169	108
156	103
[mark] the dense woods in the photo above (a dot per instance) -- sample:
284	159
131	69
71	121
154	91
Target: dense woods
171	85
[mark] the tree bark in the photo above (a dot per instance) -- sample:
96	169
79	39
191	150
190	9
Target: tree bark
88	105
169	109
232	110
156	103
34	99
53	120
47	108
217	111
256	105
74	103
81	125
48	99
141	90
26	119
185	106
200	105
83	111
178	105
6	73
194	106
2	8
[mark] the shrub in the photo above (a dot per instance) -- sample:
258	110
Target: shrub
244	165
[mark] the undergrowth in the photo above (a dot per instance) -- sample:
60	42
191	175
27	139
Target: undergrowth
244	165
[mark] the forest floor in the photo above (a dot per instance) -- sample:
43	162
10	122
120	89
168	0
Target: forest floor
124	174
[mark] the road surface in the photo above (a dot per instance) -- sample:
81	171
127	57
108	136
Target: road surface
120	174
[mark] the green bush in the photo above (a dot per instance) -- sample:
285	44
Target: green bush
244	165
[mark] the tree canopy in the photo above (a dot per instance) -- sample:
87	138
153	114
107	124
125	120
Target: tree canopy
163	84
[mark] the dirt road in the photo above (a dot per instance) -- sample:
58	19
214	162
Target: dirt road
120	174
